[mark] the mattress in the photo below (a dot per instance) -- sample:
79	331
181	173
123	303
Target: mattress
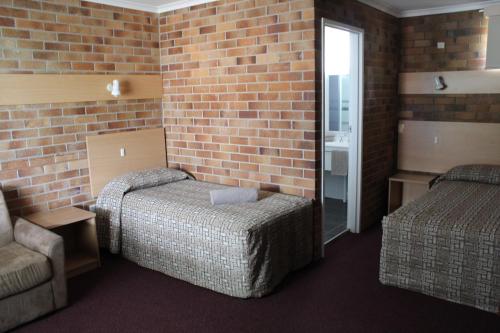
447	243
164	221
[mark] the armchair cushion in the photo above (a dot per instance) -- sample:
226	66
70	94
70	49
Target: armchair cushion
21	269
49	244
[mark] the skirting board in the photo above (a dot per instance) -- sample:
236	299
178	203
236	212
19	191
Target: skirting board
436	147
66	88
458	82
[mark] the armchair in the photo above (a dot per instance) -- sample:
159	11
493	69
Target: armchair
32	278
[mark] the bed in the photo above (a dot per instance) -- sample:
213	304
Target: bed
162	219
447	243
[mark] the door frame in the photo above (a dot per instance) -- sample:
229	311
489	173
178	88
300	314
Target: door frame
356	132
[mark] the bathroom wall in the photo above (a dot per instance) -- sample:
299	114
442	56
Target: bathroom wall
465	35
381	55
42	147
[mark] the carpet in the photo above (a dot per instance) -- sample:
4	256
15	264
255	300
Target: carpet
338	294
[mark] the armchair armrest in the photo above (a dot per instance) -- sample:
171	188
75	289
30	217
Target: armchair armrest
37	238
49	244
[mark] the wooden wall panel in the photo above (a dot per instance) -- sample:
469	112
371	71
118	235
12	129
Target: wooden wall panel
459	82
143	149
63	88
436	147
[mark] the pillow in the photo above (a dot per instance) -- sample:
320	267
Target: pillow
233	196
137	180
481	173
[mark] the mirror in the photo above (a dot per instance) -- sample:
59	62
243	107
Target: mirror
337	80
338	103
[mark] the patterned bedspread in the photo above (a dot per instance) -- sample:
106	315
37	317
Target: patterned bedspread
447	243
164	221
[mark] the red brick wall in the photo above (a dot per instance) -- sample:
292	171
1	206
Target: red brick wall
42	147
76	36
239	93
381	56
240	83
465	35
239	107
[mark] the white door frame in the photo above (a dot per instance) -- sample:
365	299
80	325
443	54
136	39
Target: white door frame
356	131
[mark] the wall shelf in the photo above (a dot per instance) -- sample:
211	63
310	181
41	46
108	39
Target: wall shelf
458	82
66	88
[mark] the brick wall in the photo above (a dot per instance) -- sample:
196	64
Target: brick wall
60	36
240	82
481	108
239	93
239	106
42	147
381	56
465	35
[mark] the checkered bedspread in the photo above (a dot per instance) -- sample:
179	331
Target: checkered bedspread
164	221
447	243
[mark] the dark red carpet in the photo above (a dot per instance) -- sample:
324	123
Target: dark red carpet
340	294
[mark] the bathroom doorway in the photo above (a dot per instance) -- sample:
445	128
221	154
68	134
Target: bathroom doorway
342	105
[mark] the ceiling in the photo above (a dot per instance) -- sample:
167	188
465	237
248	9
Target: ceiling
399	8
155	6
407	8
412	4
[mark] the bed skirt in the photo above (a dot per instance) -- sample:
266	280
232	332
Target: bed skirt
446	245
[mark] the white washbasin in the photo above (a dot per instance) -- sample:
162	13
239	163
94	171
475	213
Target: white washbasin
336	145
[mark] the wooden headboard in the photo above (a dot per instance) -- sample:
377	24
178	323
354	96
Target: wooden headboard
436	147
141	149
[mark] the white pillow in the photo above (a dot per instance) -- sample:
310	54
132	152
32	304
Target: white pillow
233	196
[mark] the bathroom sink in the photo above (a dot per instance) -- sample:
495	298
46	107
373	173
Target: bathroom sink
336	145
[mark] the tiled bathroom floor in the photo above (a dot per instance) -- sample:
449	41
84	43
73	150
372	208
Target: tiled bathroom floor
335	218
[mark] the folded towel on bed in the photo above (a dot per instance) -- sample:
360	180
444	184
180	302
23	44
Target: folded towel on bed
233	196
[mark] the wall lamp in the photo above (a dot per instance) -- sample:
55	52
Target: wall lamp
114	88
439	83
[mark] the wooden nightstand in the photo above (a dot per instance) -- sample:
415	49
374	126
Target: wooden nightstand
77	227
405	187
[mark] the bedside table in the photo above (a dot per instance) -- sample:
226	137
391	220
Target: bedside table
77	227
405	187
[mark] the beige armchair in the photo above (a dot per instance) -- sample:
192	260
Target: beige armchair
32	280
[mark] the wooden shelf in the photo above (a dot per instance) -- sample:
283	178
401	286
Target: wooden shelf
69	88
459	82
406	186
60	217
77	227
79	263
414	178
